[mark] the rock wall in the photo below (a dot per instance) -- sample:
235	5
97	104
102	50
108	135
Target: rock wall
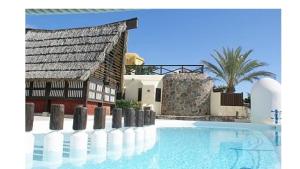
186	94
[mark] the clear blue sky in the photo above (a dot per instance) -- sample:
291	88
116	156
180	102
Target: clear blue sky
188	36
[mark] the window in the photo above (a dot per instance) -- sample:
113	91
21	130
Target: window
112	91
28	88
58	84
95	90
158	95
107	90
57	89
106	98
99	88
75	93
75	84
112	99
91	95
98	96
75	89
92	86
140	94
39	88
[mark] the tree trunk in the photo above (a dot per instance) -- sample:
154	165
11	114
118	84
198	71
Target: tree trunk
230	89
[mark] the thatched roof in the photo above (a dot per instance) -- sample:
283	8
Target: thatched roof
68	11
69	53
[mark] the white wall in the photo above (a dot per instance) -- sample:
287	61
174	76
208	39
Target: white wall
217	110
148	83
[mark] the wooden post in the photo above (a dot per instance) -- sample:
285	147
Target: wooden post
29	116
139	118
129	118
160	72
57	112
152	114
99	118
80	118
117	118
147	117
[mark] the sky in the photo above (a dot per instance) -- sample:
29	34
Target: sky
177	36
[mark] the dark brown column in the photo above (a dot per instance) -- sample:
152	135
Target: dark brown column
99	118
152	114
147	117
129	118
29	116
139	118
117	118
80	118
57	112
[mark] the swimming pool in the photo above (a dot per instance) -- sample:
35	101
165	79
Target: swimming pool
199	147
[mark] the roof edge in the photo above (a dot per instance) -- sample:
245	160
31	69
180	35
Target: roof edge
130	24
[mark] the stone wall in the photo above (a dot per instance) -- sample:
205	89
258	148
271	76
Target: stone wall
186	94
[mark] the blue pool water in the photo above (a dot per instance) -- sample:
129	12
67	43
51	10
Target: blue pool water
188	148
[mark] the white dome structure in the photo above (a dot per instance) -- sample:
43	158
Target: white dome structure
265	97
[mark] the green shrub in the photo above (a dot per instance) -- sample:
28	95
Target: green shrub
125	104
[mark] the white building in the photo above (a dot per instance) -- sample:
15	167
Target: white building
146	89
217	109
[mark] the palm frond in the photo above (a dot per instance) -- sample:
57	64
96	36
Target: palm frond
256	75
213	69
234	66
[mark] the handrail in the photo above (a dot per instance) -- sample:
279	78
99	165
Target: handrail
162	69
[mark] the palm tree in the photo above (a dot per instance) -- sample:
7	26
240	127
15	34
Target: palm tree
234	67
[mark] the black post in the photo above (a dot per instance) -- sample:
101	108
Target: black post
80	118
57	112
99	118
29	116
129	118
152	114
147	117
117	118
160	70
139	118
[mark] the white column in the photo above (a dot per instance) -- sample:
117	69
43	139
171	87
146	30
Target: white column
139	140
53	147
29	146
114	144
128	142
78	147
147	138
99	145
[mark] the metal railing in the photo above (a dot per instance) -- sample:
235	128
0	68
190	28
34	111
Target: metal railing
162	69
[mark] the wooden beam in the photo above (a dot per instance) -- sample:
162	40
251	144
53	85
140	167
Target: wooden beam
132	23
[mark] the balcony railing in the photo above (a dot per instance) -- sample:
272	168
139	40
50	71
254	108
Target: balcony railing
162	69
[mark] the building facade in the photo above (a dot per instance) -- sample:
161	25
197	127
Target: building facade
80	66
146	89
180	90
133	59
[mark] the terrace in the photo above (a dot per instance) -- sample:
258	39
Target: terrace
162	69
